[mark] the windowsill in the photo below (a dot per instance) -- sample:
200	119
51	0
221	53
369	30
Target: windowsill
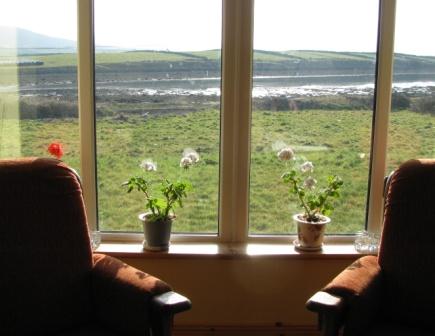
229	251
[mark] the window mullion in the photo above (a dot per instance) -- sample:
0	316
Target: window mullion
236	115
85	78
382	110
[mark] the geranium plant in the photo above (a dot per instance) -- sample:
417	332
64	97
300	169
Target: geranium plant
171	193
314	200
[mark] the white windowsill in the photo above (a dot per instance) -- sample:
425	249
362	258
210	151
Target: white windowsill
229	251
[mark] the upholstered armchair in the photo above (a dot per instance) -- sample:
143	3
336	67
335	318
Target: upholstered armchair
393	293
50	281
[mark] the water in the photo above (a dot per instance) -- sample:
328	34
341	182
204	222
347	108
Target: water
268	86
263	86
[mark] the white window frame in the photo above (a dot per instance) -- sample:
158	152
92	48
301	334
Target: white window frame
237	45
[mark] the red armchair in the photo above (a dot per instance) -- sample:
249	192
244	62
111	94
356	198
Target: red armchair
50	281
393	294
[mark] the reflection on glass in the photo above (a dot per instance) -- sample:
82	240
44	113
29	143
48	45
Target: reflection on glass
412	120
313	91
38	79
157	94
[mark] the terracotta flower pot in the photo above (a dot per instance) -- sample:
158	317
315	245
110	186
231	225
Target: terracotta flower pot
157	234
310	234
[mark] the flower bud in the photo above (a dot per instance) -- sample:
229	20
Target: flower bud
307	167
186	162
148	165
310	183
286	154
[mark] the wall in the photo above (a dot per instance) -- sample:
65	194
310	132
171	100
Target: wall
245	291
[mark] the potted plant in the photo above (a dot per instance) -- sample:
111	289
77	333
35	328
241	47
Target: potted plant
314	200
157	221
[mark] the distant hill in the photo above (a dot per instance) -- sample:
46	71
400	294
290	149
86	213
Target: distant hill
49	54
29	42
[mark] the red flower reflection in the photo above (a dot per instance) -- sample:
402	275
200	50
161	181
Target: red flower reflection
55	149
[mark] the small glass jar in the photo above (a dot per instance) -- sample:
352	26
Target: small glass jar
95	239
367	242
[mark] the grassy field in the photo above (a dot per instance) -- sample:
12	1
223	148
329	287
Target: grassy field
101	58
57	60
335	141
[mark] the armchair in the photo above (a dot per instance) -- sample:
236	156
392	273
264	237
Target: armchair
394	293
51	283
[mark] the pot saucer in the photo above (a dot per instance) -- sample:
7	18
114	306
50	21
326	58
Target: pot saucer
299	247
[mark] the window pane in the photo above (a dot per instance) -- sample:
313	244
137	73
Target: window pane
157	94
412	119
314	67
38	78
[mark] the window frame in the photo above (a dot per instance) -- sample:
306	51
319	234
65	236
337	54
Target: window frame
236	87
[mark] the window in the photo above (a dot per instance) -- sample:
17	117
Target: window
38	79
156	84
412	121
313	90
157	81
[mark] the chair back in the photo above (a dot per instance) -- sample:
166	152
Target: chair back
45	251
407	251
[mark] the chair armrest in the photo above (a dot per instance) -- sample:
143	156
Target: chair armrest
330	309
357	279
130	301
164	307
171	303
354	293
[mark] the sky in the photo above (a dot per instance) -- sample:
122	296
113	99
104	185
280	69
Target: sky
188	25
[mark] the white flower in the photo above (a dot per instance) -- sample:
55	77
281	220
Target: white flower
307	167
186	162
191	154
148	165
286	154
310	182
362	155
194	157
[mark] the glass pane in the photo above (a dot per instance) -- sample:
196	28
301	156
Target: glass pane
157	94
412	119
313	88
38	78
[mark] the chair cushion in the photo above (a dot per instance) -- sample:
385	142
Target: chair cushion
44	248
407	250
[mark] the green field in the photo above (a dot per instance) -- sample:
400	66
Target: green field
336	141
57	60
274	57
